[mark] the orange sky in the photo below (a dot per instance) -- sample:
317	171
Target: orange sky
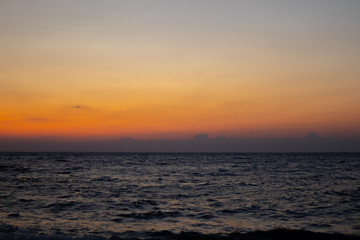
174	69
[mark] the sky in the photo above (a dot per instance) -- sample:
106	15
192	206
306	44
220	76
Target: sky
150	69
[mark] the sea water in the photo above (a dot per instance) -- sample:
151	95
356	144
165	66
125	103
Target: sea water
107	194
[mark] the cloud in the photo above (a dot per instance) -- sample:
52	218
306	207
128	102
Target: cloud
78	106
201	137
87	108
37	119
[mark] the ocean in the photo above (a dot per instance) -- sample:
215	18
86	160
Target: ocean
167	195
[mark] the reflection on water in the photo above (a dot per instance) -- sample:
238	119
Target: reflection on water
107	193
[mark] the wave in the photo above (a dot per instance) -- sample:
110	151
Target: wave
275	234
149	215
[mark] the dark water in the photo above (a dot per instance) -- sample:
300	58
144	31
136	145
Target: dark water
110	194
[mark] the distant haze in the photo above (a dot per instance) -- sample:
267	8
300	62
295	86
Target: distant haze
199	143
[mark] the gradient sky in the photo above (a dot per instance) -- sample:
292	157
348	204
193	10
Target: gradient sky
166	68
